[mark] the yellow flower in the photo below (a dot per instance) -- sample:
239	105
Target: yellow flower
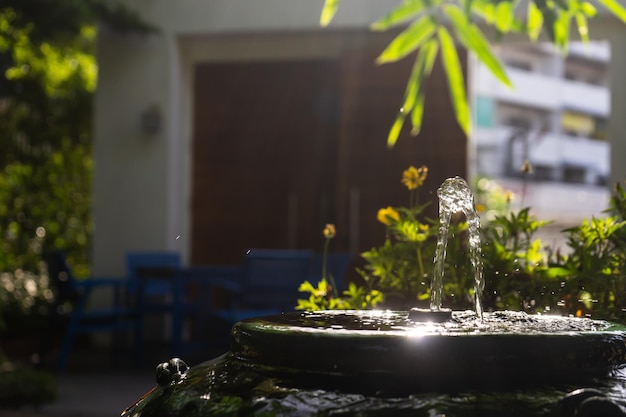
414	177
481	208
329	231
508	196
385	215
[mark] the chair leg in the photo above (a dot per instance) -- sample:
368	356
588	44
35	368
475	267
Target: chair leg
66	345
139	343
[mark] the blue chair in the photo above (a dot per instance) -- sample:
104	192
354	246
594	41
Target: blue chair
157	288
76	295
270	282
209	324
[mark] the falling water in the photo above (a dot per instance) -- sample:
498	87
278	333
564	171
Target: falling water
454	196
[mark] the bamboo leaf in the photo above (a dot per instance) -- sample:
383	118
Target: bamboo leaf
394	132
588	9
485	9
615	8
549	16
417	113
534	21
561	30
328	12
427	56
412	86
583	29
456	83
400	14
474	40
504	16
407	41
468	6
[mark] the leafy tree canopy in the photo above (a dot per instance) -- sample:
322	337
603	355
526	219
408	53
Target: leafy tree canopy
48	76
49	72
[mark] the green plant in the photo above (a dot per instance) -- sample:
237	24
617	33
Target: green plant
20	386
520	271
433	26
325	295
25	301
397	273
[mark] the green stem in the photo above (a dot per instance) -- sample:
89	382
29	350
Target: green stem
420	263
325	269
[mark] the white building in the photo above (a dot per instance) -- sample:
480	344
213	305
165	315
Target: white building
556	117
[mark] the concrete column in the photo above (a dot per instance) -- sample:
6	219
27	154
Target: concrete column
617	118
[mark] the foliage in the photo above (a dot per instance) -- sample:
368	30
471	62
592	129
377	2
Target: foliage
322	297
429	27
401	268
326	297
48	205
46	93
63	20
25	298
48	77
21	386
520	272
588	280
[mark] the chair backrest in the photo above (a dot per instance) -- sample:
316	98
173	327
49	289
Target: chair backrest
136	260
272	276
155	270
61	278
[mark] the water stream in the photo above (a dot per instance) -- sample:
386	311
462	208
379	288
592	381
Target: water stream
454	196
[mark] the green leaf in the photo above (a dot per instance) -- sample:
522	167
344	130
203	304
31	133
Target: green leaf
549	16
455	79
414	92
400	14
328	12
615	8
394	132
306	286
558	272
485	9
429	52
423	65
474	40
561	30
583	29
534	21
408	41
504	16
588	9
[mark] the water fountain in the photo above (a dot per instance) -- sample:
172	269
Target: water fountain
432	362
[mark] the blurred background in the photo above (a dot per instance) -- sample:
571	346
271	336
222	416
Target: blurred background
204	129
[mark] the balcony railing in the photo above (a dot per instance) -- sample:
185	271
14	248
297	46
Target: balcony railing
542	91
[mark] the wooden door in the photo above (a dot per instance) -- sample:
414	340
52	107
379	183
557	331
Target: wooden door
263	156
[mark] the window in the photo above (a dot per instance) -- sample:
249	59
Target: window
485	111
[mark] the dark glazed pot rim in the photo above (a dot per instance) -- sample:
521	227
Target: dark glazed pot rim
385	347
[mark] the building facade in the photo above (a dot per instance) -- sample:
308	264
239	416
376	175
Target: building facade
556	117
